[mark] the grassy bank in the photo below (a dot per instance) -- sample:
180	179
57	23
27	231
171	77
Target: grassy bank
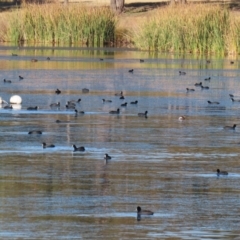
192	28
92	26
199	28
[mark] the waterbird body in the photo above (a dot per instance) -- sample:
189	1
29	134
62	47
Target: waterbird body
55	105
141	60
221	172
209	102
104	100
7	81
79	112
124	104
14	55
198	84
204	87
20	77
8	107
44	145
233	100
74	101
35	132
107	157
230	128
190	89
78	149
119	94
144	212
135	102
131	70
182	73
34	60
71	106
85	90
57	91
115	112
207	79
32	108
182	118
143	114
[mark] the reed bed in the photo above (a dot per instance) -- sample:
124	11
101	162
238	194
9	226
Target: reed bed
93	26
193	28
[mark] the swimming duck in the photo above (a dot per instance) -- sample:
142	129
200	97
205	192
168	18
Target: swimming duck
48	58
231	95
8	107
208	61
107	157
14	55
35	132
124	104
34	60
213	102
47	146
20	77
115	112
135	102
57	91
74	101
78	149
182	118
105	101
230	128
231	62
55	104
122	98
207	79
131	70
101	59
190	89
198	84
141	60
7	81
32	108
182	73
204	87
71	106
144	212
85	90
221	172
119	94
79	112
143	114
233	100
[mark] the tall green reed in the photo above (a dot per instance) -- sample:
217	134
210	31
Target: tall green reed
76	23
193	28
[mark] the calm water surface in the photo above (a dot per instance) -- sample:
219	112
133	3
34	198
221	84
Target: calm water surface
158	163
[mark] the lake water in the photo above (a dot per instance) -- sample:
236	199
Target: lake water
159	163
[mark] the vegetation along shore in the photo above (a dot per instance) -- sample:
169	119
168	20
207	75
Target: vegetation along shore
197	28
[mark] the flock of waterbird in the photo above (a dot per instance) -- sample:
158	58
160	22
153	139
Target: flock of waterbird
72	105
200	84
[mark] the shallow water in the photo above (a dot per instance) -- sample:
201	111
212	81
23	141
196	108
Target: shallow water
158	163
